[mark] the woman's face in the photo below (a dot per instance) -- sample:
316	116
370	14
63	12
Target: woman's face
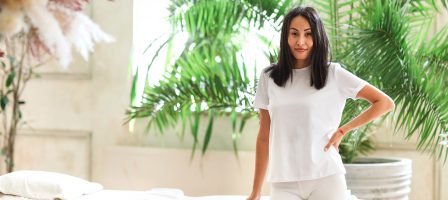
300	39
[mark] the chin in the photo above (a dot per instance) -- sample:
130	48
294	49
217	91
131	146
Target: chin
301	57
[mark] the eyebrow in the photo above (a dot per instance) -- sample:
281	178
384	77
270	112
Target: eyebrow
298	30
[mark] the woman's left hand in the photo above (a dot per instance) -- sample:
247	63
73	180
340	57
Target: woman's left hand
335	140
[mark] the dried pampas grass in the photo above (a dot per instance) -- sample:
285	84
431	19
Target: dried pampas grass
53	27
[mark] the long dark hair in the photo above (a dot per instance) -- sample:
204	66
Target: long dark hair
282	70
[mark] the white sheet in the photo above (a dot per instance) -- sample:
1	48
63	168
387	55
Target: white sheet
222	197
116	195
154	194
131	195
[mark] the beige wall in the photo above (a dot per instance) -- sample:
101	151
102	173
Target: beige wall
74	125
89	100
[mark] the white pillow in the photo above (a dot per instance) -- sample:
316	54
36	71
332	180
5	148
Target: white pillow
45	185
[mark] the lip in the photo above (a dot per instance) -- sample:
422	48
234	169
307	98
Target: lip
301	50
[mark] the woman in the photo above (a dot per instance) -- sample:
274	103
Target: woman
300	101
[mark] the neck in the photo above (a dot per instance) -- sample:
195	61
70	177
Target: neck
301	64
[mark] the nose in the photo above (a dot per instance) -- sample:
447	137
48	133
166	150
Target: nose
300	41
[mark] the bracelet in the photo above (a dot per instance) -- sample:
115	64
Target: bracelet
340	130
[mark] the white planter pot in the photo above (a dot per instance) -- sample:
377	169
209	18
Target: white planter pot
380	178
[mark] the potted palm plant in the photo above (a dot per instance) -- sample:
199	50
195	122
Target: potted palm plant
383	42
394	52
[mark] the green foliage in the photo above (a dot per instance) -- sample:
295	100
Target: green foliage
382	52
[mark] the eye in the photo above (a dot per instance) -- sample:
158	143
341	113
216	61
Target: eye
294	33
308	34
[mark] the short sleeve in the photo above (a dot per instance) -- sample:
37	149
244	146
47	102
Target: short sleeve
261	94
348	83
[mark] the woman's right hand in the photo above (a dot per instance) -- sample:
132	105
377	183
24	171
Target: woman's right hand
254	197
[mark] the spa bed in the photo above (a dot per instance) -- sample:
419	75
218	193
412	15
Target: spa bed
51	185
165	194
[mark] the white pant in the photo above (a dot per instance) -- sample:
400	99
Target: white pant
332	187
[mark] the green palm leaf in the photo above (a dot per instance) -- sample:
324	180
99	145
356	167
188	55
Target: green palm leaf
384	38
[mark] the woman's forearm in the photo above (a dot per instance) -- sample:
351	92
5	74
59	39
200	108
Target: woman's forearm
261	162
377	109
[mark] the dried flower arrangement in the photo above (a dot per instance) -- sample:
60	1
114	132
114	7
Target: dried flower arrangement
32	32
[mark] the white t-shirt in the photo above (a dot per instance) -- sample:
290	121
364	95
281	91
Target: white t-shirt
303	120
